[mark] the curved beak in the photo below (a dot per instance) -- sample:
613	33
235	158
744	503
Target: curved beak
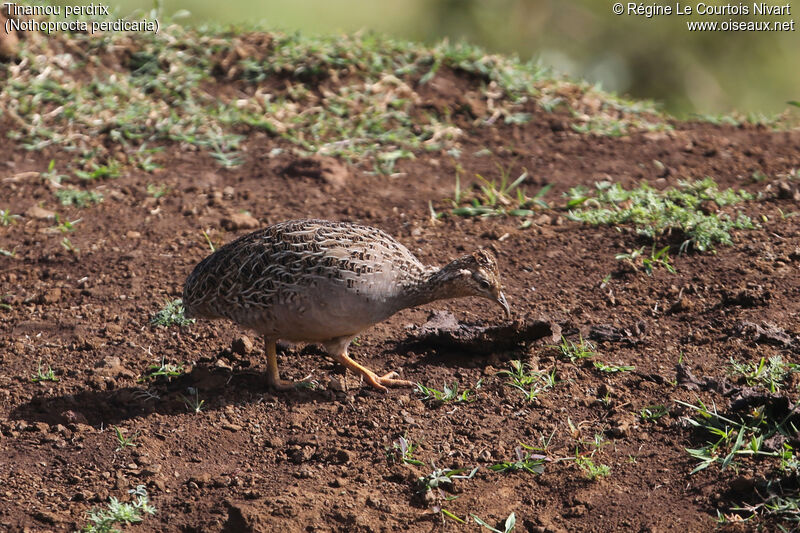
501	299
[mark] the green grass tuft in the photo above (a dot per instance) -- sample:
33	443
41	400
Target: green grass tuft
105	520
77	197
656	214
172	314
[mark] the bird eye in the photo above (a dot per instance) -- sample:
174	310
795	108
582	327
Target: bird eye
483	284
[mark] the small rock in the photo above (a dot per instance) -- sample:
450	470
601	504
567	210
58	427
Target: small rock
683	305
543	220
620	431
73	417
576	511
46	517
228	192
304	473
341	456
327	169
116	195
40	213
709	207
112	330
133	235
300	454
242	345
232	427
221	363
111	367
50	296
239	221
201	479
605	390
151	470
787	191
274	442
335	384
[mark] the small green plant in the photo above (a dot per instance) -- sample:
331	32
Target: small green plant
123	441
172	314
66	226
508	525
163	369
7	218
653	412
612	368
656	214
527	461
432	484
51	174
658	258
768	373
449	393
527	380
402	451
575	352
110	170
591	470
441	477
66	243
157	191
224	149
144	158
77	197
43	375
734	438
447	513
498	199
104	520
193	401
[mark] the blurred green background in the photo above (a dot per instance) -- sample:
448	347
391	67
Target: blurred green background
655	58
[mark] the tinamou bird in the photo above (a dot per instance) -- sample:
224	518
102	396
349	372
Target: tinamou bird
326	282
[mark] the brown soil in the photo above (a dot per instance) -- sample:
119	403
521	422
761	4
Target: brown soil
316	460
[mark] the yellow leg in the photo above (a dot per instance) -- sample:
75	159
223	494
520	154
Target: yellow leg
378	382
273	375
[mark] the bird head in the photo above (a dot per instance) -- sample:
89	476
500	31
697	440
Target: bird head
476	274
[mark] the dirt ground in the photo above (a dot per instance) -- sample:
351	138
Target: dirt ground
320	460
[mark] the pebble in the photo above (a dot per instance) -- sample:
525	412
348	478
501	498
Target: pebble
221	363
242	345
335	384
50	296
239	221
40	213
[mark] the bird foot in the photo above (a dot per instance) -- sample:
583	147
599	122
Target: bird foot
387	380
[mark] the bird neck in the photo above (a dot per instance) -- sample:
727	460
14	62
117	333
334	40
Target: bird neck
434	284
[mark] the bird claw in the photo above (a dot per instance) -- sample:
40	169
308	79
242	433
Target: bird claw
388	380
